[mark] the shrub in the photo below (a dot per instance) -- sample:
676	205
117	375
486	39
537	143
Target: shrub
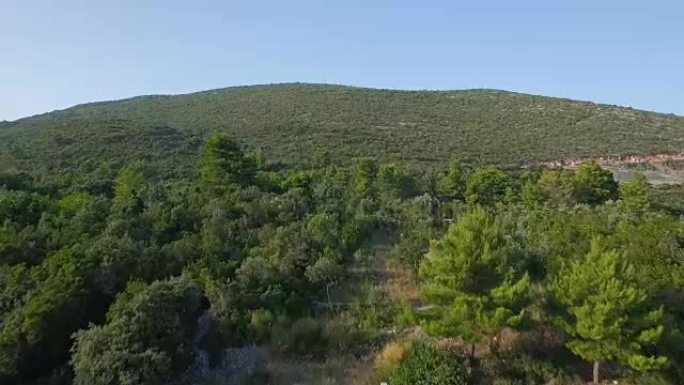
341	334
304	336
260	323
148	339
428	365
405	316
524	369
389	358
648	379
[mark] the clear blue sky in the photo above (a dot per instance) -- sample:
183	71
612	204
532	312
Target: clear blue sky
54	54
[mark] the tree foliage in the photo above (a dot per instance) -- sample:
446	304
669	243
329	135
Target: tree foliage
487	186
636	194
224	163
290	122
148	338
593	184
474	279
430	365
609	316
317	257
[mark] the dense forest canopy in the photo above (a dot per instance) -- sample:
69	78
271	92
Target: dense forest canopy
138	245
107	279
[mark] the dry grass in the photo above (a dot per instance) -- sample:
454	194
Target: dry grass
402	284
387	359
391	355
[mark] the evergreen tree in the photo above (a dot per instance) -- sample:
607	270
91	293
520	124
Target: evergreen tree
452	184
365	173
608	314
593	184
555	187
395	182
224	164
128	186
474	280
487	186
636	194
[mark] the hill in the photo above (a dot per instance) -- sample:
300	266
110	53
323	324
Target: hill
288	122
207	264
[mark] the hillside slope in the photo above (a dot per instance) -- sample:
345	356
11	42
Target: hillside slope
289	121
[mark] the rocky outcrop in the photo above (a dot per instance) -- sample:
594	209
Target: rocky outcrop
610	160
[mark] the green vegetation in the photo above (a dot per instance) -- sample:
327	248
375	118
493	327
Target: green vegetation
289	122
131	264
148	337
608	314
475	278
428	365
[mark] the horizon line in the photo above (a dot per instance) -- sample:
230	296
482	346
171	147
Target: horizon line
359	87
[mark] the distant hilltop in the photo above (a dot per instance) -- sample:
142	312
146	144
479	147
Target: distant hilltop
289	123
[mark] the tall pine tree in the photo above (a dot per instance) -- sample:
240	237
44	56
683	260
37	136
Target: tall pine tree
608	314
474	280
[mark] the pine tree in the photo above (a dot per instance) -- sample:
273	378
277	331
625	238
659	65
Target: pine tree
365	173
593	184
555	188
487	186
475	281
608	314
452	184
636	194
129	183
224	163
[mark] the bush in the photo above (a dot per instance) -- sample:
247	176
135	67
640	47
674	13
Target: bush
523	369
341	334
405	316
429	365
304	336
373	311
648	379
389	359
148	339
260	323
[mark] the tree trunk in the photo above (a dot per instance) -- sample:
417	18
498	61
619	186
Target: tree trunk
597	367
494	343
